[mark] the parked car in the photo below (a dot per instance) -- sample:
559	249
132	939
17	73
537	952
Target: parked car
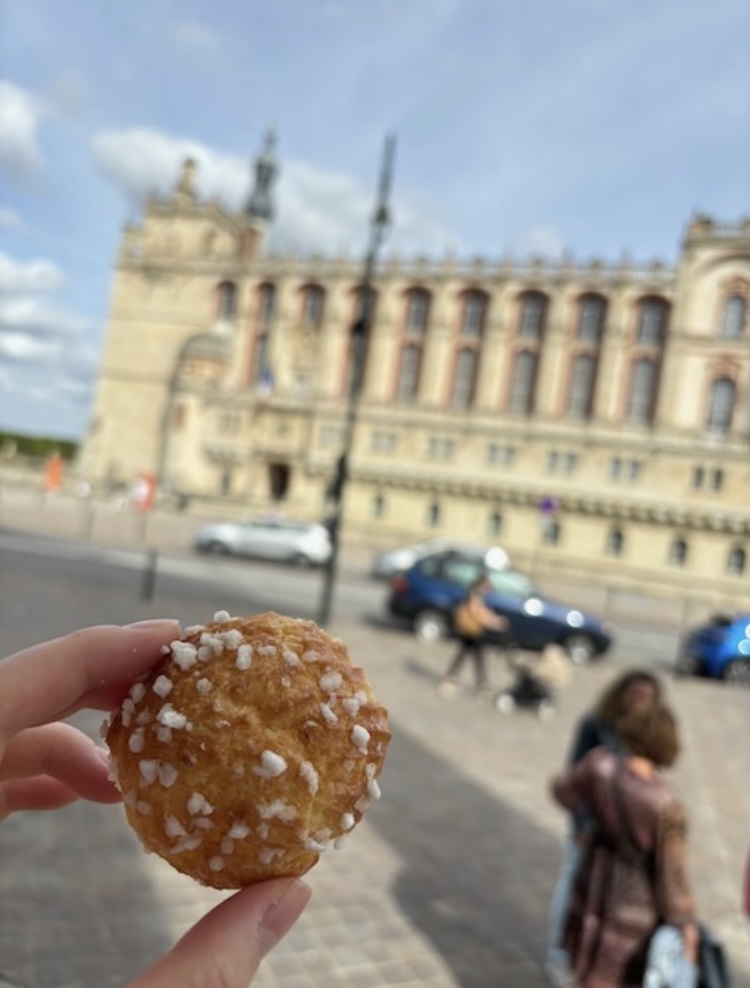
427	594
719	649
386	564
288	541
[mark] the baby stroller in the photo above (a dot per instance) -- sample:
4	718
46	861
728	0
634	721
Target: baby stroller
538	679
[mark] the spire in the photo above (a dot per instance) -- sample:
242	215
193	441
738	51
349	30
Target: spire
260	204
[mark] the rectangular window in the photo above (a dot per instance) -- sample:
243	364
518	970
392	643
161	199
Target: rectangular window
330	435
553	459
634	470
699	476
498	455
570	462
716	479
383	442
440	449
615	468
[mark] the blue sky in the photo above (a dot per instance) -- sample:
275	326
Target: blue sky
523	126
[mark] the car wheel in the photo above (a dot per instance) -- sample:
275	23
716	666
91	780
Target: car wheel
217	549
685	666
505	703
580	649
301	560
737	673
431	626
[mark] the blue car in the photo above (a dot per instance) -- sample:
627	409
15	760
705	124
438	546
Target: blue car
427	594
719	649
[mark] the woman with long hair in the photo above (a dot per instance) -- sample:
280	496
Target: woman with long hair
633	689
632	877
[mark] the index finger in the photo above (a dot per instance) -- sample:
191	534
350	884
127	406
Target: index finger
51	680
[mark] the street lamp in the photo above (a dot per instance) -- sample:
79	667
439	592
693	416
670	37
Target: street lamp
360	335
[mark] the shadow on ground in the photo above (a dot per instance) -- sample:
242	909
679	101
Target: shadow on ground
477	874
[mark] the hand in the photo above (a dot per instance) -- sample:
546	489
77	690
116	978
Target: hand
45	764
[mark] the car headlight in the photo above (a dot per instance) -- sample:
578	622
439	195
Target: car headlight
575	619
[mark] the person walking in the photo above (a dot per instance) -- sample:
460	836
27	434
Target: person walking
633	878
634	689
472	619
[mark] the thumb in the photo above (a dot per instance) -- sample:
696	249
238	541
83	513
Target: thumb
225	948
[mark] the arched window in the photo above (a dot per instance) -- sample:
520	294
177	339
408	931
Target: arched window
312	305
581	394
615	542
721	406
474	311
591	311
642	397
523	383
464	378
678	552
417	311
408	373
652	322
433	514
227	292
267	304
533	315
735	314
736	561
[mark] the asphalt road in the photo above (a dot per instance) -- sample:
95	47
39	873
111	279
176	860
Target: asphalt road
213	583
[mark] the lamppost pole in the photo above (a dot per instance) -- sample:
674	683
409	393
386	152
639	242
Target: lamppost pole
360	335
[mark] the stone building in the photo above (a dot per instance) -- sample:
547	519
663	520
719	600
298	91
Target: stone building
594	418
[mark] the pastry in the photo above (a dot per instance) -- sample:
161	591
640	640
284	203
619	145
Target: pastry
252	747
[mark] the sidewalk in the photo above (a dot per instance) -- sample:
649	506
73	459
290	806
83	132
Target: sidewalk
444	885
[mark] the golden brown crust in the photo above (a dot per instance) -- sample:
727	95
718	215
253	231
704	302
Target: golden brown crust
253	746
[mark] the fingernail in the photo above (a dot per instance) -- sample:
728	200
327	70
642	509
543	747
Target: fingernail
155	624
283	913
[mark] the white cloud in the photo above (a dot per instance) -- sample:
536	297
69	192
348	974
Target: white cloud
31	316
24	349
198	40
317	209
20	113
9	218
28	277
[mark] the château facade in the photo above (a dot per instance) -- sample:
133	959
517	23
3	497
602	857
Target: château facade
594	417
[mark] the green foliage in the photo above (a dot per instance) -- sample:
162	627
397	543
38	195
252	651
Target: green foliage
38	446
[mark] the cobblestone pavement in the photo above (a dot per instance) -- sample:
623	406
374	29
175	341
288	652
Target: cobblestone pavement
444	885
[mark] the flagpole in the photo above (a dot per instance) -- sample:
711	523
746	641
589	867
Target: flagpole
360	335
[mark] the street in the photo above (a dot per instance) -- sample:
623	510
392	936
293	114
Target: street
447	881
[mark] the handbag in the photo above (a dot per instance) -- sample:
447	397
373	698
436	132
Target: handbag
466	623
713	968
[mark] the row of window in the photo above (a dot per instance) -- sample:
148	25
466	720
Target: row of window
678	553
563	462
640	399
651	323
